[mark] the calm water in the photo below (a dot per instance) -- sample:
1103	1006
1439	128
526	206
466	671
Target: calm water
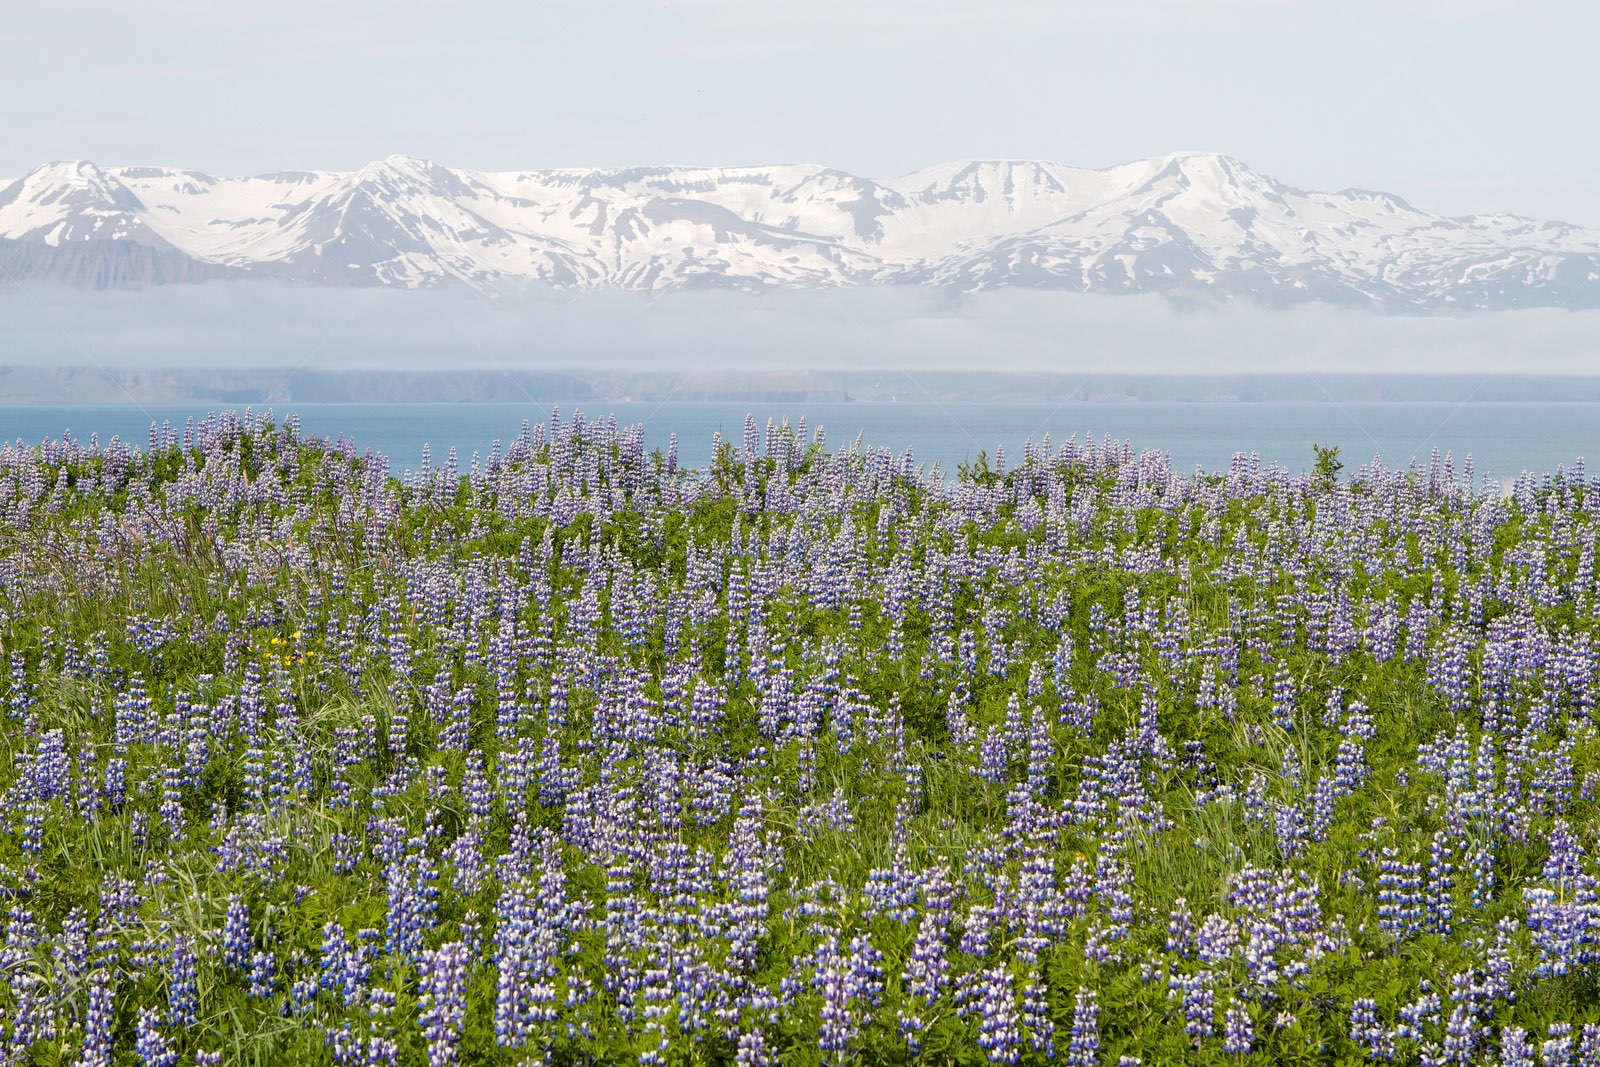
1504	439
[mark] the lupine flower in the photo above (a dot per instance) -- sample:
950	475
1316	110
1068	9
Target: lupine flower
989	998
412	903
1556	1050
183	993
236	934
263	973
149	1045
1180	928
1461	1035
1198	1002
850	980
1418	1018
331	968
1238	1033
1401	906
1516	1049
302	996
443	1002
32	1020
1035	1017
752	1050
1083	1050
993	758
98	1021
1441	869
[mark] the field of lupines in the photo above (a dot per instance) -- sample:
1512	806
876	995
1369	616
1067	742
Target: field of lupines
575	756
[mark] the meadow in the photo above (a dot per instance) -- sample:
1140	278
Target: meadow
572	754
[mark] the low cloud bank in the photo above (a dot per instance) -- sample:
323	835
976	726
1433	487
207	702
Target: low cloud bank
865	330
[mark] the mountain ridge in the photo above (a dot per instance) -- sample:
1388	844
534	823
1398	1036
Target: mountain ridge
1189	223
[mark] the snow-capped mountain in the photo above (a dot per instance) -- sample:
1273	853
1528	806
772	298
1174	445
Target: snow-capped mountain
1186	224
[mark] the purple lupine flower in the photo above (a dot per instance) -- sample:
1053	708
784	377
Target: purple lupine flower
236	934
1559	928
1217	940
522	969
443	1001
183	991
1419	1017
1180	928
86	793
1401	906
98	1021
927	969
149	1045
989	996
1199	1005
752	1050
346	852
331	969
993	759
1461	1035
834	814
21	697
850	980
1350	767
263	973
977	929
1036	1020
1322	800
71	951
1239	1031
399	734
1556	1050
358	967
475	786
1516	1048
1481	864
1368	1032
1440	905
50	768
466	855
1283	700
32	810
302	996
1041	749
1564	862
413	901
1589	1045
1289	822
32	1019
1083	1050
457	719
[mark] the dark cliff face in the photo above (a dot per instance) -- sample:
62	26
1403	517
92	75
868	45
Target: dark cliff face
104	265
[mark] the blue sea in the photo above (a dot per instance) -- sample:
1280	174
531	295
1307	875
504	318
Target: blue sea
1504	439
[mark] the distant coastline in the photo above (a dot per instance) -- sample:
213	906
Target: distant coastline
91	385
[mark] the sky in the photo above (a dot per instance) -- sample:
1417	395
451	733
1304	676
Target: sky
1458	106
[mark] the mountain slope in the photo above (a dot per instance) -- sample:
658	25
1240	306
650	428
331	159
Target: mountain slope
1186	224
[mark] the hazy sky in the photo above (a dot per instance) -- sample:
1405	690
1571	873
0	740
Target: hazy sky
1457	105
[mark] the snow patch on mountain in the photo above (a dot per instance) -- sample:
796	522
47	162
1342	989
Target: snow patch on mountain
1185	224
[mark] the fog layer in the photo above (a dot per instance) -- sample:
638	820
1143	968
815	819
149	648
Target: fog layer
270	325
